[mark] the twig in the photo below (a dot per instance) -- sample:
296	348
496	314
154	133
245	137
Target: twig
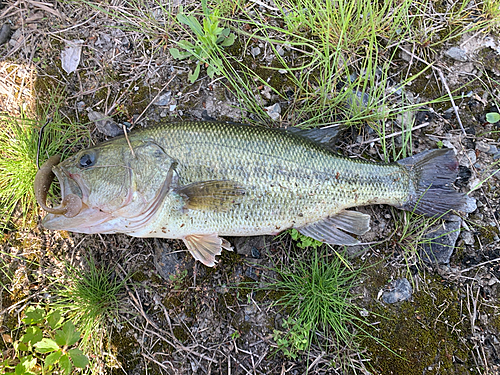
152	101
480	265
443	81
128	141
393	134
264	5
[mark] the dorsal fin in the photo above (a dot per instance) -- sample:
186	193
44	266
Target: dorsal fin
327	136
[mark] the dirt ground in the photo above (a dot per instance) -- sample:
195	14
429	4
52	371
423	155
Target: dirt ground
180	317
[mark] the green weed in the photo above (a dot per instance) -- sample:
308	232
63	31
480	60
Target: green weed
90	299
493	117
304	241
19	140
49	345
317	295
206	42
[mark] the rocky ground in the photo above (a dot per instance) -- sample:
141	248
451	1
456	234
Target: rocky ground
435	305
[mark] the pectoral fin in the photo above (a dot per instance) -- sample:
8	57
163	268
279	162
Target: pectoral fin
204	247
333	230
218	195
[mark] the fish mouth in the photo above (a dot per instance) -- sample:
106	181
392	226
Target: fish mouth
71	203
72	214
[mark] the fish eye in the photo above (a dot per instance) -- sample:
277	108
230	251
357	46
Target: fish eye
87	160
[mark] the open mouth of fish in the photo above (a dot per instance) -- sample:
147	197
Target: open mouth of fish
71	204
72	213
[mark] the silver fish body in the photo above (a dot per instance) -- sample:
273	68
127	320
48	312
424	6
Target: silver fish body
197	181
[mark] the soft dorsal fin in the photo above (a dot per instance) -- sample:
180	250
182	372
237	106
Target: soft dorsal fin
204	247
327	136
333	230
218	195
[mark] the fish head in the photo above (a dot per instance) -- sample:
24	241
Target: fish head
113	187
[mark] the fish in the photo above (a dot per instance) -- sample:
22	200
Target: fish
202	181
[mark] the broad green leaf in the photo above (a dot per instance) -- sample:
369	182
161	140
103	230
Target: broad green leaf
33	316
493	117
68	335
194	76
33	335
52	358
228	41
55	319
65	364
185	45
176	54
46	345
22	347
190	21
25	365
80	360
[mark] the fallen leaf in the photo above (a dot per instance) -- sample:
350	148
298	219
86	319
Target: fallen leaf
70	56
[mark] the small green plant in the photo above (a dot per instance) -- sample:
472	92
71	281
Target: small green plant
235	335
178	279
317	295
48	346
20	147
208	39
493	117
304	241
90	298
294	340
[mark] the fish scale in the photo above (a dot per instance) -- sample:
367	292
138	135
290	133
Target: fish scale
284	176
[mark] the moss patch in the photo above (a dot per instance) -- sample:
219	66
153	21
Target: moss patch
425	335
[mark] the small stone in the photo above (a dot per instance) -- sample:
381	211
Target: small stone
172	107
274	111
468	159
457	54
105	124
442	239
255	51
250	273
493	150
5	33
470	205
163	99
468	237
483	147
397	291
255	252
80	106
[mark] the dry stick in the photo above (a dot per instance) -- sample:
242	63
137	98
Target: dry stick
139	308
152	101
443	81
394	134
480	265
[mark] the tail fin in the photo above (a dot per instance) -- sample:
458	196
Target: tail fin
433	173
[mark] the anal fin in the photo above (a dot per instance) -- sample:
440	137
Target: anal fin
333	229
204	247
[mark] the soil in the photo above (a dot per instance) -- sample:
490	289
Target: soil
180	317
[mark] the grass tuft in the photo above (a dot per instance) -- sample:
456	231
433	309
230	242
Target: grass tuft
317	295
90	298
19	141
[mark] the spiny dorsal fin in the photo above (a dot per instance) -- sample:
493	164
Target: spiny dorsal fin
333	230
218	195
327	136
204	247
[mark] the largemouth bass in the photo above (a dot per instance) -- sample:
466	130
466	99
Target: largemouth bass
197	181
